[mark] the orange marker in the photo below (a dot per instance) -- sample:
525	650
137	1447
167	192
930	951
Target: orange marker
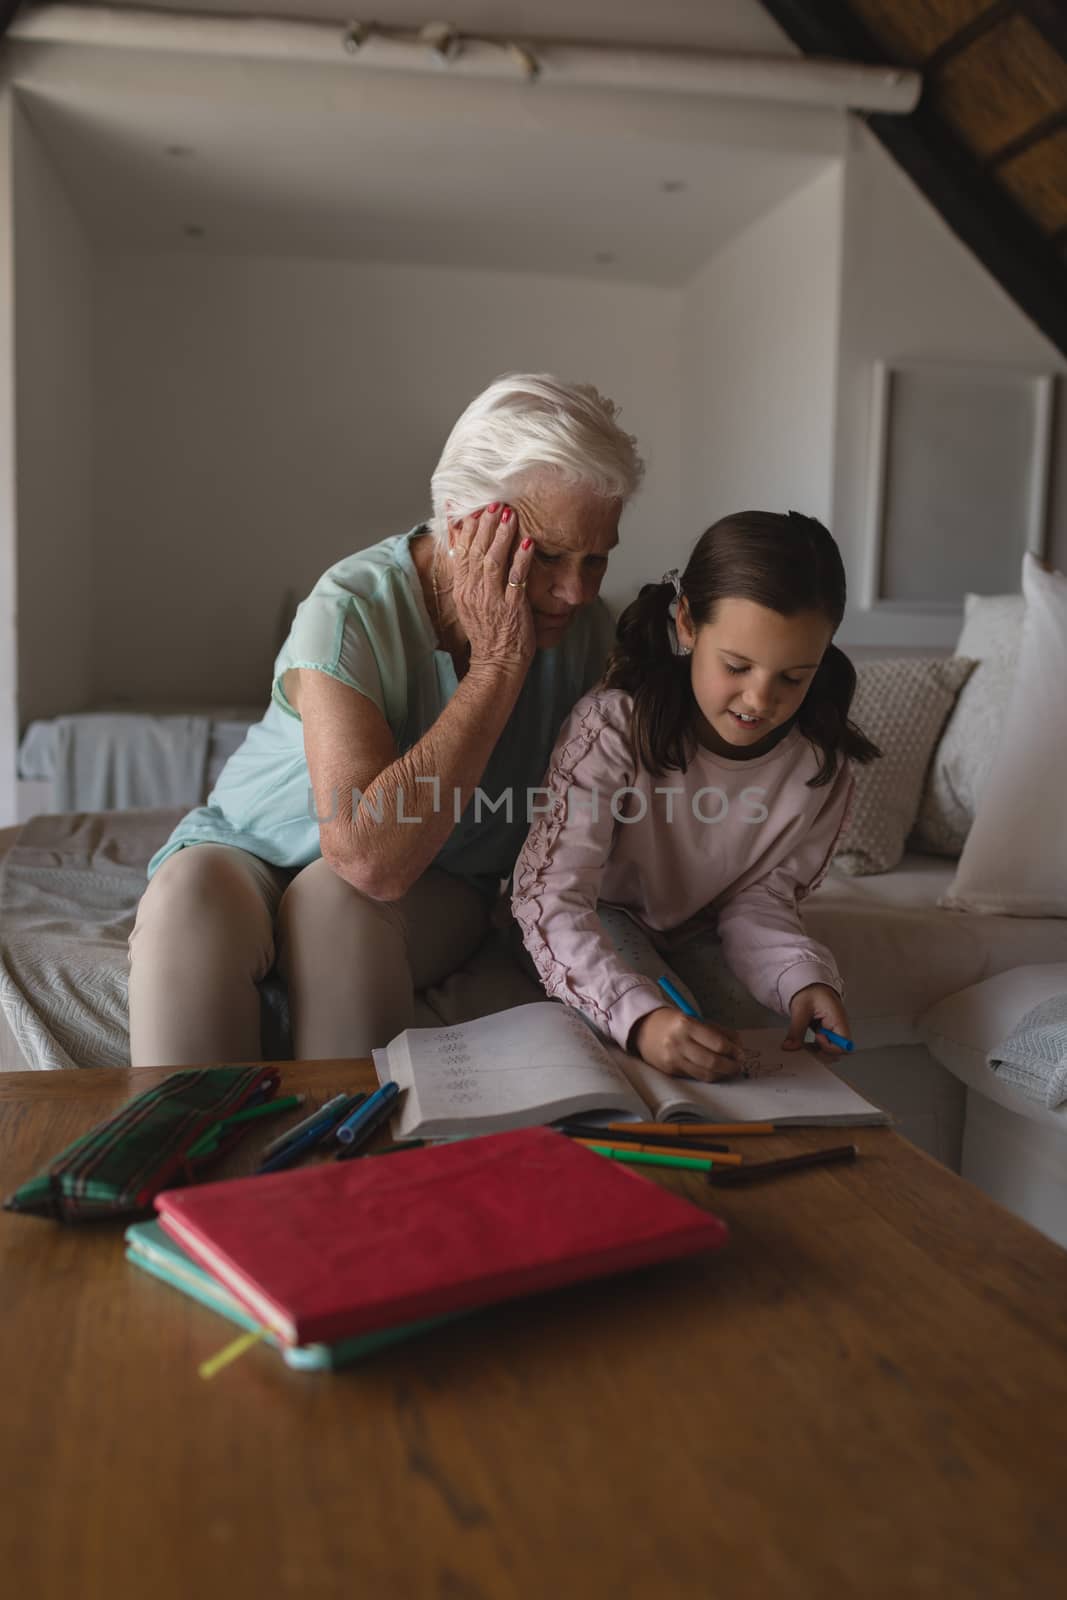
682	1130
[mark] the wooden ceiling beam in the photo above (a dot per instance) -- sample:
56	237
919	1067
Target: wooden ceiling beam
1016	147
1011	247
966	36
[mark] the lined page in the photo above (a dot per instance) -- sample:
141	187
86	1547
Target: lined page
531	1064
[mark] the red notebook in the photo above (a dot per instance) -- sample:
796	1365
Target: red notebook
324	1253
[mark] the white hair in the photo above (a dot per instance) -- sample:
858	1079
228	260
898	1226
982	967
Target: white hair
527	422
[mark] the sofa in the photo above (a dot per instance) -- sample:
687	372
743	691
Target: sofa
947	907
908	936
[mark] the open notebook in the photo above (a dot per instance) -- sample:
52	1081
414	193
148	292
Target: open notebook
541	1063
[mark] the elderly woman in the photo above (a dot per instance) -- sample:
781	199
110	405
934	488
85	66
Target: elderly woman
358	837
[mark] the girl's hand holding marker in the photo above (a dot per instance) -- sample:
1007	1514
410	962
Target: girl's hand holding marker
679	1043
819	1008
683	1047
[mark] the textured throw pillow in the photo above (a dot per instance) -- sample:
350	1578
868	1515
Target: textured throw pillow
902	704
1015	858
992	627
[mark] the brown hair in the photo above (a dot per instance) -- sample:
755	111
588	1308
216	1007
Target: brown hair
788	563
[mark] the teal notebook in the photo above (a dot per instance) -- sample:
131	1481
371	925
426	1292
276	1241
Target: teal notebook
151	1249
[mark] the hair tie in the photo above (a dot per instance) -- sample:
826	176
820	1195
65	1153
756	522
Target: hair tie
677	647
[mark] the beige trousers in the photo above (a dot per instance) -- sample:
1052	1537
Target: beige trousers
214	920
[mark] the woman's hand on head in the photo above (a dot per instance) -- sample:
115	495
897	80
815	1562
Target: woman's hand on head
684	1047
817	1003
489	567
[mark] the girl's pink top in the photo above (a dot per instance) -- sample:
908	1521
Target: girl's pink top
738	843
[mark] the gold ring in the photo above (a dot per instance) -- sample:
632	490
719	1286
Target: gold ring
516	583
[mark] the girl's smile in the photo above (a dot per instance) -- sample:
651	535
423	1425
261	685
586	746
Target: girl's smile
751	668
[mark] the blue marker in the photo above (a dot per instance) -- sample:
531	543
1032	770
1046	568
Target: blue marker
296	1148
835	1038
385	1103
371	1111
326	1116
672	994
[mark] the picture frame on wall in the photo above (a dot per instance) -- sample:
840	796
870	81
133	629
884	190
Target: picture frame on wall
958	484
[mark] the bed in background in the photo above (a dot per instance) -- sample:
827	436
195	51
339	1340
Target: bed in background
115	758
69	887
11	1058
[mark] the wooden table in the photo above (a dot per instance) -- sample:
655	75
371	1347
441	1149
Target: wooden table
864	1395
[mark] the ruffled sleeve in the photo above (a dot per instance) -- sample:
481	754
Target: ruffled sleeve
559	870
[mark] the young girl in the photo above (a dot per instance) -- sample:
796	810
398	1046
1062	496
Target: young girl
697	796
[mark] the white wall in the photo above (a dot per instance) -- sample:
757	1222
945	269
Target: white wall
8	563
910	289
53	385
759	329
258	420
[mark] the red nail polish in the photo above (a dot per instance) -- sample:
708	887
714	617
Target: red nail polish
526	543
505	515
494	507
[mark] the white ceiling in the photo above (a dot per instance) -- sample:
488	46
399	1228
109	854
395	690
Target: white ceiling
335	161
710	24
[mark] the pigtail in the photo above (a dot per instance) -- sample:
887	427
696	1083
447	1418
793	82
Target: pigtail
823	717
646	665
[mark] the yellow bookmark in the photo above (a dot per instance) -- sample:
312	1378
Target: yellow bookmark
230	1352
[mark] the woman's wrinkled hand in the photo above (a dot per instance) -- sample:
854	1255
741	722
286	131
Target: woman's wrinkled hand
684	1047
489	564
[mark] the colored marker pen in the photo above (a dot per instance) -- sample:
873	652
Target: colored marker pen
680	1001
835	1038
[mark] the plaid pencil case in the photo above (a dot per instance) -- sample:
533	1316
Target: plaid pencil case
119	1166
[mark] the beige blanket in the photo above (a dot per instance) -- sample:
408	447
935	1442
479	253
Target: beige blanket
68	894
69	887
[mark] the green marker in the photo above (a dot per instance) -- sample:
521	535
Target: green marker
266	1109
209	1139
206	1143
645	1158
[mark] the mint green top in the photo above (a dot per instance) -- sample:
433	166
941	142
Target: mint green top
365	623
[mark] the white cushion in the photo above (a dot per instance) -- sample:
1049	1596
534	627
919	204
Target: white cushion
992	629
902	705
1015	859
960	1032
